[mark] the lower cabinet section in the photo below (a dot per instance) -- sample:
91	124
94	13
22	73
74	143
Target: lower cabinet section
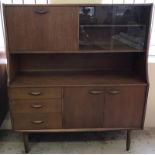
104	107
81	108
37	122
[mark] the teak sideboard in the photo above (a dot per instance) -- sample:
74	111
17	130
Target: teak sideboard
75	68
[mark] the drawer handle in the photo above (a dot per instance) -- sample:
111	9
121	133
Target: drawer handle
114	92
41	11
96	92
38	122
35	93
37	106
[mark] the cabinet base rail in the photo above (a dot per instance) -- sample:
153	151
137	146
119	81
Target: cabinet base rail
27	146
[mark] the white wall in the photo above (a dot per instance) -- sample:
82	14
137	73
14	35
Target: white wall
150	112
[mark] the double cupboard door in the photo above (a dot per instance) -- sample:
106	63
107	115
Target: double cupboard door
103	107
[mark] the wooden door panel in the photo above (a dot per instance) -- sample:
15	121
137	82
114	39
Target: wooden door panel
124	106
83	107
42	28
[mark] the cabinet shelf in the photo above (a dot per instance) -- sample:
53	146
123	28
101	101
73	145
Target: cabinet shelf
111	25
83	49
76	78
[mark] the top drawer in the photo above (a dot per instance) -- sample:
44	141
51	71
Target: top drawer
41	28
34	93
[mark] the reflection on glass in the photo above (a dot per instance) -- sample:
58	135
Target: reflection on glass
87	15
113	27
133	37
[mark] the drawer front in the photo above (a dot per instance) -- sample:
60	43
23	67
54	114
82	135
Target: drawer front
36	106
34	93
37	122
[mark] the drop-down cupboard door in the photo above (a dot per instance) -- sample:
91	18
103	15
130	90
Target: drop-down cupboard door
42	28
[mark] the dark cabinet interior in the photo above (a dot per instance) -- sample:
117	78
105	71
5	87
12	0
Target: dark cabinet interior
77	69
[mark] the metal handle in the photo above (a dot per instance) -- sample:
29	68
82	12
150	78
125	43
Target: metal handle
114	92
39	11
96	92
38	122
36	106
35	93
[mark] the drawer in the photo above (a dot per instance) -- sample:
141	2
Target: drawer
34	93
36	106
37	122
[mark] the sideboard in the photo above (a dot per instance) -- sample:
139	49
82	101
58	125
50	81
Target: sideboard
77	67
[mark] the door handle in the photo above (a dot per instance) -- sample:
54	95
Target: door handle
39	11
96	92
38	122
36	106
35	93
113	92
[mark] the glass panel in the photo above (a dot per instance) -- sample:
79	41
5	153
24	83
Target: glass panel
95	37
129	37
121	38
113	27
120	14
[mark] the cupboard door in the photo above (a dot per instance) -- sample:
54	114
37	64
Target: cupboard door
83	107
124	107
42	28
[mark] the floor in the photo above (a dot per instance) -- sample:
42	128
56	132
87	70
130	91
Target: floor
67	143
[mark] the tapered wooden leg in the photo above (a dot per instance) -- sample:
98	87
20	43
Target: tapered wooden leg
128	140
26	142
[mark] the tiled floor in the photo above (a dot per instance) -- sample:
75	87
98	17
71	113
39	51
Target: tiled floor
105	142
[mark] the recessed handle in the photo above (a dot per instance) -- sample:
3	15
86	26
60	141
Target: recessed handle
35	93
38	122
36	106
113	92
40	11
96	92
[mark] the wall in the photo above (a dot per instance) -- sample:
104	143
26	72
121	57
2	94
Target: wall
150	112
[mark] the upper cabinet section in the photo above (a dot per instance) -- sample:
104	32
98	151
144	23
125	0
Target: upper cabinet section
42	28
114	27
77	28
